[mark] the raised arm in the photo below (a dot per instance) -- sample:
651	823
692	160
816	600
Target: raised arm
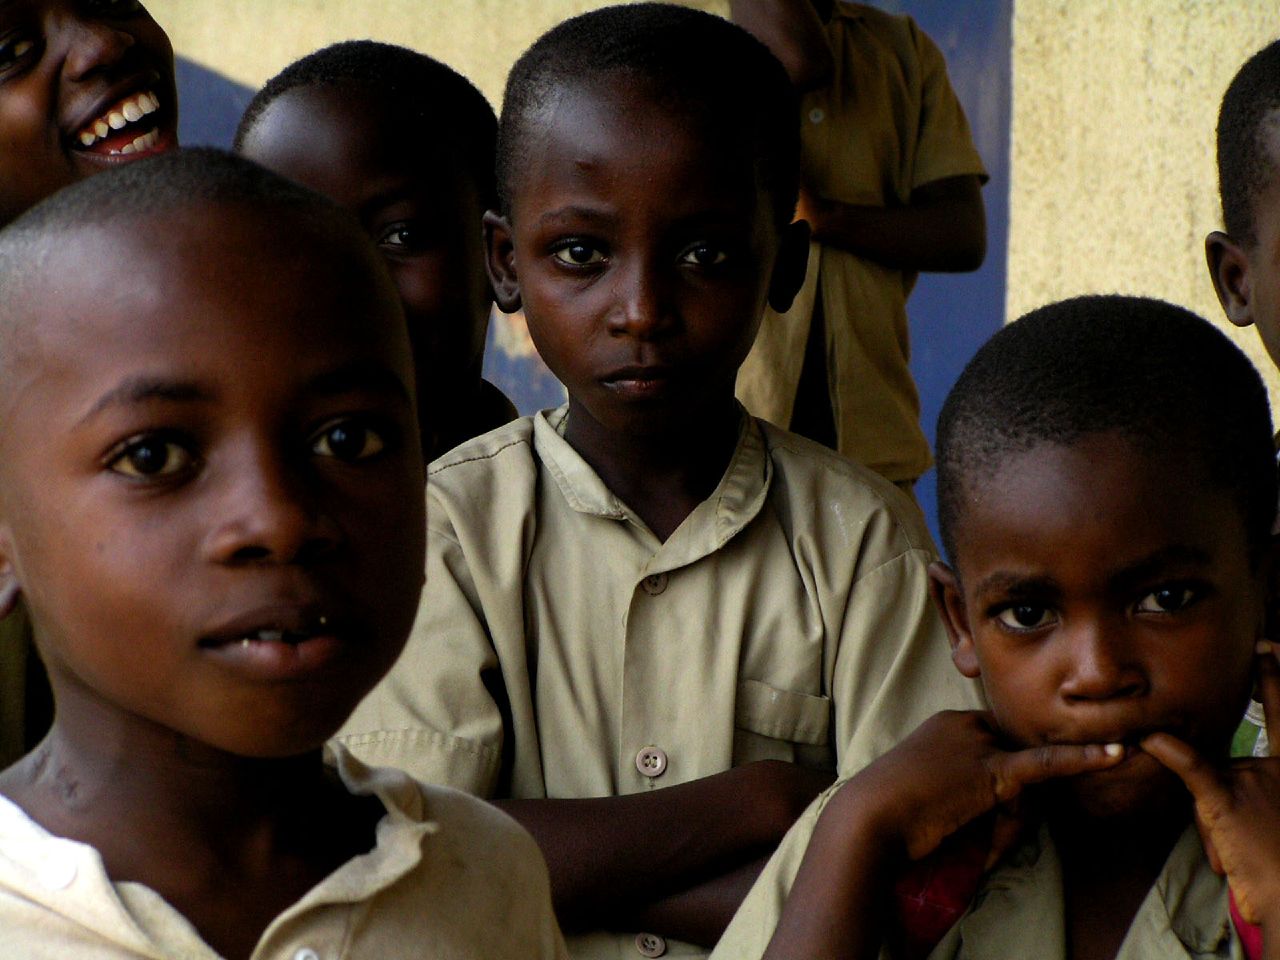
942	228
671	860
794	32
900	809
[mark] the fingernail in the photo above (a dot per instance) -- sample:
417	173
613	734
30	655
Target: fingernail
1114	749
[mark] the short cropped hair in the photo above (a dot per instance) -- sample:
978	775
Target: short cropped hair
155	187
695	63
416	88
1246	167
1156	374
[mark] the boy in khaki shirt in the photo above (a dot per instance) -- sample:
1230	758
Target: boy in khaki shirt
1107	493
632	600
211	501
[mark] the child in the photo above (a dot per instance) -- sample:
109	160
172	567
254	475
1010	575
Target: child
1244	262
84	87
407	145
650	589
1106	494
210	498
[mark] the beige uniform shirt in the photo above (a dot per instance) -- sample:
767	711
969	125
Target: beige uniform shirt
450	878
561	650
887	123
1018	910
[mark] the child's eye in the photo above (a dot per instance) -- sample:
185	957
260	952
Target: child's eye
402	238
1025	616
348	440
1167	600
147	457
704	255
13	49
578	254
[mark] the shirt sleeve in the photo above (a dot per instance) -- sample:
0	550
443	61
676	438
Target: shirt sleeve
944	144
436	715
893	667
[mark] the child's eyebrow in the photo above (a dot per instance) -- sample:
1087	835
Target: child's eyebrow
1158	563
573	212
360	376
1017	584
143	388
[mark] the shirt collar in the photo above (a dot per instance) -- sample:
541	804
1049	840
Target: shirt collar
734	503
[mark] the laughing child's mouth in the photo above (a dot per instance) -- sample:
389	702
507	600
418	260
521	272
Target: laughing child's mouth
123	127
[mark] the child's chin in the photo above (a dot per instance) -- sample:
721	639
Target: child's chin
1137	787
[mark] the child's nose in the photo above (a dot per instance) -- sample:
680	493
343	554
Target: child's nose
1101	666
642	309
268	514
91	45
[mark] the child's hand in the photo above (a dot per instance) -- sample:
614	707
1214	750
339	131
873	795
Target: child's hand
1238	808
953	770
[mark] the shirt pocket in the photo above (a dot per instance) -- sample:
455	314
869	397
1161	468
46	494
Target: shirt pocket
775	724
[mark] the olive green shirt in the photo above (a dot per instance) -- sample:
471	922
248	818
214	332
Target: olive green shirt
886	123
562	650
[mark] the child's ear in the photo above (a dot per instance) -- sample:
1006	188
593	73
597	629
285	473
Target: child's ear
1229	269
944	586
500	261
789	266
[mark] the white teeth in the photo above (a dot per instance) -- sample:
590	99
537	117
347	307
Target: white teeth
271	636
126	112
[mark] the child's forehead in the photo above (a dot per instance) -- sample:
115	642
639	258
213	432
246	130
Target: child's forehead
1100	494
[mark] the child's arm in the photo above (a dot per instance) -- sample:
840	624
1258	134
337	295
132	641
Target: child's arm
793	32
670	860
898	809
942	228
1238	810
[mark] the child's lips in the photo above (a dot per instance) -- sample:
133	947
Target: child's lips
278	642
640	382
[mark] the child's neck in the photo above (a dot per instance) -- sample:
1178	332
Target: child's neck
661	476
1108	868
230	842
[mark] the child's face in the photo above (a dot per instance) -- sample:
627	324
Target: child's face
72	74
1104	594
416	201
642	250
210	478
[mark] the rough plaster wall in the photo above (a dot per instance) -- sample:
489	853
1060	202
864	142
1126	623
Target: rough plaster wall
1114	180
250	40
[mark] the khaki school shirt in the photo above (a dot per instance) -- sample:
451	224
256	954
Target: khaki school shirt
887	123
1018	909
562	650
450	878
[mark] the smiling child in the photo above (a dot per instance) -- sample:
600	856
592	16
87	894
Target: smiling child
406	144
211	502
1107	490
654	627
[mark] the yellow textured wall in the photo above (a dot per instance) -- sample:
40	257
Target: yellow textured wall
250	40
1114	182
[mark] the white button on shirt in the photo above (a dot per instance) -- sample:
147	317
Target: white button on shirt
650	945
651	761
